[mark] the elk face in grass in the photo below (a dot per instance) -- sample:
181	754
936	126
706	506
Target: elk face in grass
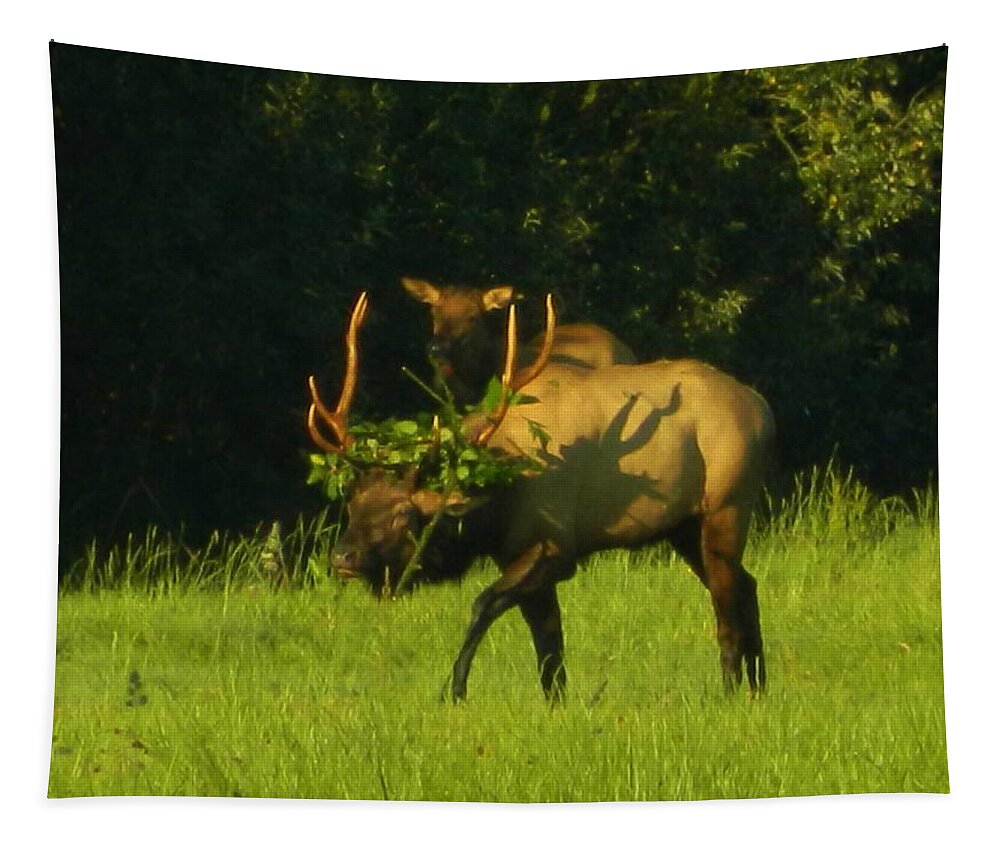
388	517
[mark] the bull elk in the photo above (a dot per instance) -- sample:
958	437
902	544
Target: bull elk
636	454
467	351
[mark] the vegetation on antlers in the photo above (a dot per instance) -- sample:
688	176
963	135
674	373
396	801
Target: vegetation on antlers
446	457
450	457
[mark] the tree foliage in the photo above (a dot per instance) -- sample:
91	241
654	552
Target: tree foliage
215	222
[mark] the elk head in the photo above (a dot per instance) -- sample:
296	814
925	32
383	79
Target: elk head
465	346
387	513
388	510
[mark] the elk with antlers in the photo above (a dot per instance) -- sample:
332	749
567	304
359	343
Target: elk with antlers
671	450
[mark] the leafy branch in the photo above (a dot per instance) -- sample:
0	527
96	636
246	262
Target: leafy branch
436	444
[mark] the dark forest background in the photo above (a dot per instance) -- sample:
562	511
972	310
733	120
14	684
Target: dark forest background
215	222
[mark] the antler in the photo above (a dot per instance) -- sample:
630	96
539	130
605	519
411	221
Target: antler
337	419
542	360
510	383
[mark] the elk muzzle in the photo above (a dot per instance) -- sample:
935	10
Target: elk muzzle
346	560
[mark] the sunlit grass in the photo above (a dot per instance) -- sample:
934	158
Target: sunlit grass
217	673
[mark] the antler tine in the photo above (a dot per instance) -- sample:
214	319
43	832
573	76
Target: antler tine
506	379
529	374
337	419
351	370
510	359
317	438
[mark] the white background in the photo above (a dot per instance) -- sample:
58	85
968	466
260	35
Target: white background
514	40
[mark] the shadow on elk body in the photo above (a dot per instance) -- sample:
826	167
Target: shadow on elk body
467	348
666	451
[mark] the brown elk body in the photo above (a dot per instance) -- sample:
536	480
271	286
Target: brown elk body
467	348
669	450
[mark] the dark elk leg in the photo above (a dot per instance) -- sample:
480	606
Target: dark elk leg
541	611
748	612
734	597
489	605
523	583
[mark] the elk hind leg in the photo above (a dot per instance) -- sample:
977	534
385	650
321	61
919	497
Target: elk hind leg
734	598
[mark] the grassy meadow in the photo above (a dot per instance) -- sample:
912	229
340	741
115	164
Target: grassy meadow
242	670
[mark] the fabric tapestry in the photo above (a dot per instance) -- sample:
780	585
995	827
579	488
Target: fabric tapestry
498	442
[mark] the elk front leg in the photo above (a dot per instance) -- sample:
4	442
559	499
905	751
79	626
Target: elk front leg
521	577
541	611
489	605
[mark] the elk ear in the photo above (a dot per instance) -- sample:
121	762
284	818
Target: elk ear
421	290
497	298
455	504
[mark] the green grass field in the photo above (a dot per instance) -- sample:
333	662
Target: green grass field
200	674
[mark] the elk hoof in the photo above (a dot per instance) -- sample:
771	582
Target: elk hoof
756	674
732	673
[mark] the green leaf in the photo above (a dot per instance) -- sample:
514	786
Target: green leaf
332	489
494	393
539	434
